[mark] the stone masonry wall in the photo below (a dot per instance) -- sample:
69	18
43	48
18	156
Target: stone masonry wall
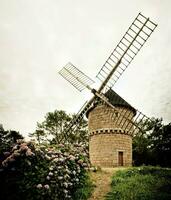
100	118
108	136
104	149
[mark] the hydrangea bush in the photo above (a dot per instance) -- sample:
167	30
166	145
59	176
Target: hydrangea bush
30	171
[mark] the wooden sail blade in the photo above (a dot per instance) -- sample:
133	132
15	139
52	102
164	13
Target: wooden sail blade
74	76
128	119
128	47
74	124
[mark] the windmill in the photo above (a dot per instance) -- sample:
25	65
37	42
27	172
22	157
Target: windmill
111	120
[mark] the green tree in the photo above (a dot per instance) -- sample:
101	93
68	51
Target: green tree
80	134
152	145
141	142
161	144
141	145
8	138
55	125
39	134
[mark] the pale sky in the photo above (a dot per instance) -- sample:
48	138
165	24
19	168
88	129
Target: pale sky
38	37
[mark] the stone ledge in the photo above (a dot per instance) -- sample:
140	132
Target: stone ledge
110	131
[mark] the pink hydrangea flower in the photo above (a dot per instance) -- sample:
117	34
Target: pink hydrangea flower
60	177
51	168
84	164
47	157
20	141
39	186
4	163
28	162
80	161
10	159
77	180
46	186
71	157
23	147
65	191
65	184
15	147
50	174
60	145
29	153
74	172
16	153
6	153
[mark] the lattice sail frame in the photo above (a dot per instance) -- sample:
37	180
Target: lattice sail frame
77	78
128	123
128	47
74	124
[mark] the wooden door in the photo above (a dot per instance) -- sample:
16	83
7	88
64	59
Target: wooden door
120	158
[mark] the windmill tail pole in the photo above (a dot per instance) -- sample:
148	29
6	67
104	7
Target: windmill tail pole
109	76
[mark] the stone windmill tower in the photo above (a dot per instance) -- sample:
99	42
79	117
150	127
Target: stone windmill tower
111	120
110	142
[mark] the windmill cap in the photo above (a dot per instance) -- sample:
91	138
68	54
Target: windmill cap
115	100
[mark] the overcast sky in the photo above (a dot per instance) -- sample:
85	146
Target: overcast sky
38	37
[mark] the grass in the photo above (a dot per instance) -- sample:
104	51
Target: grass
143	183
85	189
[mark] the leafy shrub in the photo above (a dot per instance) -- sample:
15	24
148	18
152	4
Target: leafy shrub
141	183
44	172
8	138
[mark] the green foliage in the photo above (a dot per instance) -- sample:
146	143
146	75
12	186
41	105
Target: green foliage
80	134
8	138
142	183
37	172
152	145
54	126
85	189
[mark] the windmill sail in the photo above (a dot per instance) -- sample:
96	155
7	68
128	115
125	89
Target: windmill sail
130	44
77	78
79	117
128	47
128	122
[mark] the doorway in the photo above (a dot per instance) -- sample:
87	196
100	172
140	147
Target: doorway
120	158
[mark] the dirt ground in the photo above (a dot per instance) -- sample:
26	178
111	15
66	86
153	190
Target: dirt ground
102	180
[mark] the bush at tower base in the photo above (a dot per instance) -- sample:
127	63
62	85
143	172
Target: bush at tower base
38	172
